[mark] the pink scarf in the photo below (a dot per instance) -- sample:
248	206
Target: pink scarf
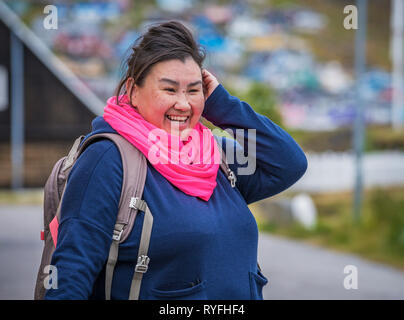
191	166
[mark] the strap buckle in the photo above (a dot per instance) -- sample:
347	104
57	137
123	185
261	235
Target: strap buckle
133	202
117	235
137	203
232	177
142	264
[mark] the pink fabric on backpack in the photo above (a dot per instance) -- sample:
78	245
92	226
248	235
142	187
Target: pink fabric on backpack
53	226
189	165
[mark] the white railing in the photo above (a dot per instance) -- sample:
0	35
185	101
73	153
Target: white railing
335	171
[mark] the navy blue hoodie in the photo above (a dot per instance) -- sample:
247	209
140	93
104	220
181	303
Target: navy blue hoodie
198	249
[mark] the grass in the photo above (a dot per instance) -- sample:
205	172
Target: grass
24	197
377	138
320	141
384	138
379	236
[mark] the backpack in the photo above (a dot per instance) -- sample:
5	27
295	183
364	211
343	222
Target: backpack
134	177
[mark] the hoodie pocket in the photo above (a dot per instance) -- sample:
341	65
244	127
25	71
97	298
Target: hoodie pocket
182	291
257	282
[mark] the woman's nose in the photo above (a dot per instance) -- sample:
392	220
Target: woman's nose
182	103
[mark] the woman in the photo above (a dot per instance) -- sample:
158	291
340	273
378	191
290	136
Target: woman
204	238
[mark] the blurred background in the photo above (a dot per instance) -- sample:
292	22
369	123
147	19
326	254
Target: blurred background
332	81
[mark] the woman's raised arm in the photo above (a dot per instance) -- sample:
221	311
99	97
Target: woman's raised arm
265	158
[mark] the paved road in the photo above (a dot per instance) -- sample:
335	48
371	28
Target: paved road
300	271
20	250
295	270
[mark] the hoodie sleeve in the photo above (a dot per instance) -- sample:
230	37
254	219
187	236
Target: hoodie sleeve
88	214
264	157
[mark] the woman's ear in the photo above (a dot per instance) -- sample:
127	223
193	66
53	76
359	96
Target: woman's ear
130	88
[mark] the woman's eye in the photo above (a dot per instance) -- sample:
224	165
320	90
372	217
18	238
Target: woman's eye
173	90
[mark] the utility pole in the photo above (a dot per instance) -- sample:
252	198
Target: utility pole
17	112
359	125
397	29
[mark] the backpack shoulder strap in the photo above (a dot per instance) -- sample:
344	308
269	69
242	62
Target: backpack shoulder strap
134	167
224	165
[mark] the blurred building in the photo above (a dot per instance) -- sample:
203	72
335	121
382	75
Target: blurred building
57	106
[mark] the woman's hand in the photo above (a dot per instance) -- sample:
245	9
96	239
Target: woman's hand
209	83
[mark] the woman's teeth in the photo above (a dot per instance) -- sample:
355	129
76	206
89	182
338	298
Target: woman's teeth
177	118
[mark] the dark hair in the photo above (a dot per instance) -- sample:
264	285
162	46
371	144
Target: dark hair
161	42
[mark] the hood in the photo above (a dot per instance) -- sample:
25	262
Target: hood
99	125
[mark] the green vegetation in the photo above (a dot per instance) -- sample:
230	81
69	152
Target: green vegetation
24	197
384	138
320	141
262	98
377	138
379	236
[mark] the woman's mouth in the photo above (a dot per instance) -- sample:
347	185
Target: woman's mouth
178	124
177	119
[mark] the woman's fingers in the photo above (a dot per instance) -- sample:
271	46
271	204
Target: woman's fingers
209	82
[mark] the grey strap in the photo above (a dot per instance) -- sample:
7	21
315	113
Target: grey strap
112	258
65	170
134	168
224	165
143	259
73	154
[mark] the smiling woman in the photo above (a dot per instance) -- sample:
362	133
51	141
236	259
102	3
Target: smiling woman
204	239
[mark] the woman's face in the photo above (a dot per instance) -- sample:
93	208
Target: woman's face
172	95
